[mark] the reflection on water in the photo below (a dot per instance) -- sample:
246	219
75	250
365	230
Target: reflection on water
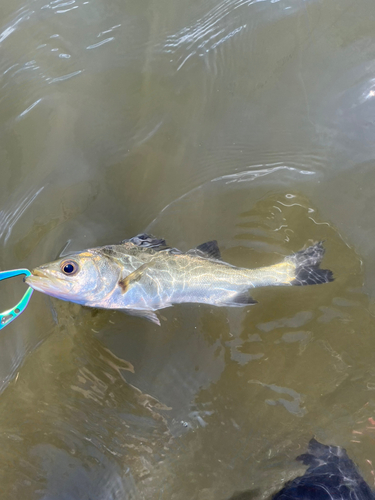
248	122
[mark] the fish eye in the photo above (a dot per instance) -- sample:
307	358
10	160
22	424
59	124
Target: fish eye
69	267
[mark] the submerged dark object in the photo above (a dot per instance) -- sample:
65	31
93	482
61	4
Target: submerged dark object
331	475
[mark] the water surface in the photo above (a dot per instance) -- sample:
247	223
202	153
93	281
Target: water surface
250	122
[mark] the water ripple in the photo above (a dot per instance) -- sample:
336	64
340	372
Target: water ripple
250	175
35	103
245	176
8	218
102	42
64	77
11	28
293	405
208	32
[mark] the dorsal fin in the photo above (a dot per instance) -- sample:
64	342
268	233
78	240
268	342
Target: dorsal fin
210	250
147	241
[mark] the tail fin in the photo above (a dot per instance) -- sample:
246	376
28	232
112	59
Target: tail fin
307	271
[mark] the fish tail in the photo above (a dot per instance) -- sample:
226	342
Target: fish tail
306	266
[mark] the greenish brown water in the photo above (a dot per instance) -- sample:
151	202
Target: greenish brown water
249	122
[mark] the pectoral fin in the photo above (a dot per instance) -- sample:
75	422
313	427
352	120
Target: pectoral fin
239	300
132	278
149	315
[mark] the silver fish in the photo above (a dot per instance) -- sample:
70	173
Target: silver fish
143	274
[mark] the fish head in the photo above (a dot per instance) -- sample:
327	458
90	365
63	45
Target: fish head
84	277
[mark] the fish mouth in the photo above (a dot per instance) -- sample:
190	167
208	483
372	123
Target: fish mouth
38	272
36	281
35	276
42	282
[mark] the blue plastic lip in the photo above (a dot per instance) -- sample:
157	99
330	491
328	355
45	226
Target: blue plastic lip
10	315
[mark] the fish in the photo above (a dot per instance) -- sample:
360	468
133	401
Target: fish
142	275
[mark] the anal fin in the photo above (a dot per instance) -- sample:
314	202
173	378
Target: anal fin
146	314
240	300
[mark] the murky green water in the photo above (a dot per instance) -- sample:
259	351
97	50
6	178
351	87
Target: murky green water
250	122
